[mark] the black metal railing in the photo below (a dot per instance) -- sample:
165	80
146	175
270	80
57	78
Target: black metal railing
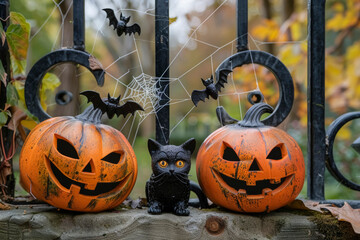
320	143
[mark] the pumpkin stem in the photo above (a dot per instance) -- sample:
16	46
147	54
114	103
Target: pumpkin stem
253	115
223	117
90	114
251	119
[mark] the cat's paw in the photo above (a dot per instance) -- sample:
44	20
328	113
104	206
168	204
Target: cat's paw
155	208
181	210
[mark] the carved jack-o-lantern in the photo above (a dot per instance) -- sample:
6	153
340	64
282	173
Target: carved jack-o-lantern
248	167
77	163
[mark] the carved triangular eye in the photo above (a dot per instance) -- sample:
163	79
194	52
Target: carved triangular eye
113	157
230	154
277	152
65	148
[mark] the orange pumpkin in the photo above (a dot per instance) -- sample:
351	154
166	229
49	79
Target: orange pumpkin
249	167
77	163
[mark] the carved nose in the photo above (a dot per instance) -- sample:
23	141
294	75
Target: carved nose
89	167
254	166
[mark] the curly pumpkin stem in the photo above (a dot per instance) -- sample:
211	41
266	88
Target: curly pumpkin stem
251	119
253	115
90	114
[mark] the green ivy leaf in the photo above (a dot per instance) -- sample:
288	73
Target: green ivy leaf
11	95
17	35
3	118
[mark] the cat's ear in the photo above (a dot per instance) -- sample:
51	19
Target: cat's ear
153	146
189	145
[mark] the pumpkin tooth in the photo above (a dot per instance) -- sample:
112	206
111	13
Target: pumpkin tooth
250	182
91	186
242	192
266	191
275	181
74	189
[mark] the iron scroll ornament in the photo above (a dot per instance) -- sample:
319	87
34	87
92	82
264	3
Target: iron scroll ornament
331	134
281	73
38	71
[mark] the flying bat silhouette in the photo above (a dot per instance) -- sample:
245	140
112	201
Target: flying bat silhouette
120	25
111	105
212	89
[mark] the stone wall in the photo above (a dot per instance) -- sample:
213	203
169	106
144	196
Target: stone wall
45	222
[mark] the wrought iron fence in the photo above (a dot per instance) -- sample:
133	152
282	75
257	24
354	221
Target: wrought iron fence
320	142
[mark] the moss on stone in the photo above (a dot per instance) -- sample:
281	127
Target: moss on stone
331	228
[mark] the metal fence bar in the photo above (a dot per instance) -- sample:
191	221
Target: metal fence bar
79	24
242	26
316	99
162	69
9	190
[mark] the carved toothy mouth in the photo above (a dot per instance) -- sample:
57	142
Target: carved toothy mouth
66	182
262	185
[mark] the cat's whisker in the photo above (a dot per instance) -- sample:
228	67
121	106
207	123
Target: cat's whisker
161	181
180	173
161	175
182	180
182	176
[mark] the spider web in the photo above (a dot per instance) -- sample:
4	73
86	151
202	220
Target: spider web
143	90
137	81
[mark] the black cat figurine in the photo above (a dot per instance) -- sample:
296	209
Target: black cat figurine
168	189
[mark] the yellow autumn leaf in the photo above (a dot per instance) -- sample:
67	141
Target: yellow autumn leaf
290	55
269	30
338	7
172	20
335	23
353	52
344	133
28	123
333	70
342	21
296	31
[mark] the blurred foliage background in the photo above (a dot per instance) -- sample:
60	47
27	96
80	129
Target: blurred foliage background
199	29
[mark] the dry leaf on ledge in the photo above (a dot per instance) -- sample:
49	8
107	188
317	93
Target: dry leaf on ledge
347	214
303	204
4	206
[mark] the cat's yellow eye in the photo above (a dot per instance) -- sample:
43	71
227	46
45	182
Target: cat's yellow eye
163	164
180	164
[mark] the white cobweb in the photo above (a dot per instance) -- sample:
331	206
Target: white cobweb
130	72
143	90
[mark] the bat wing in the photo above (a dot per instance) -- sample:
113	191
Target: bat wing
197	96
222	79
135	28
111	16
222	74
95	99
128	107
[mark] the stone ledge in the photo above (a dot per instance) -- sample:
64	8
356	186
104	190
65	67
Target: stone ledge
45	222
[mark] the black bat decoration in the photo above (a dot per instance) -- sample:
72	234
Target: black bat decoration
120	25
212	89
111	105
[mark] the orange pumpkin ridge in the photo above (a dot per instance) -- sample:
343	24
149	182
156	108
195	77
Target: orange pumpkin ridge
246	166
